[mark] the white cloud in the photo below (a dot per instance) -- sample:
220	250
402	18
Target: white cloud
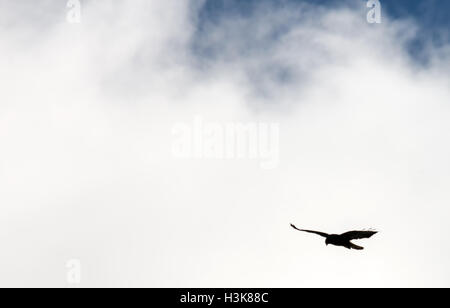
86	116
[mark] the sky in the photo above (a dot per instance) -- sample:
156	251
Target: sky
352	132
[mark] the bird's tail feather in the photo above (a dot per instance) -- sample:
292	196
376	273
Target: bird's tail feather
353	246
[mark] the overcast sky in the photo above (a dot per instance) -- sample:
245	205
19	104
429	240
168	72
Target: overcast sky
88	173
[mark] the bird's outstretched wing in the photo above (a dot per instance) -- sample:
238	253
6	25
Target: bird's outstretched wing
315	232
355	235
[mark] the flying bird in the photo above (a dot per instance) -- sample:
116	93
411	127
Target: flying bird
343	239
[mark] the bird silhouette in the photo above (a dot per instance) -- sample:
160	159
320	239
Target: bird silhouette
343	239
